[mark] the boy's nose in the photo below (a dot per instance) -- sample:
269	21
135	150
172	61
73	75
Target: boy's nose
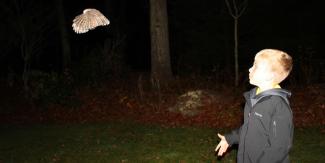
250	69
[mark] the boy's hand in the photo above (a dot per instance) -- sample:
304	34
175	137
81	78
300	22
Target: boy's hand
222	146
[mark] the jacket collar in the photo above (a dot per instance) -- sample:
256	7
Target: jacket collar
254	99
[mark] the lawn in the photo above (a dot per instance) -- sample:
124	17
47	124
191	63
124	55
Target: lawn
132	142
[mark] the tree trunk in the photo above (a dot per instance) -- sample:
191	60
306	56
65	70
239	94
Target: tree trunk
160	54
236	10
236	50
65	43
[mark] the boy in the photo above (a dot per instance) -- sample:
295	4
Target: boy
267	132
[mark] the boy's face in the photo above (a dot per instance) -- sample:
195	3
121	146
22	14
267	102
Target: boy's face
260	73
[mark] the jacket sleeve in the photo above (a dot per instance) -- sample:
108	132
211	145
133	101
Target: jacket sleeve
280	137
233	137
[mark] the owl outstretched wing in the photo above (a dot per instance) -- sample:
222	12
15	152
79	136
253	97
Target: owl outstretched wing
88	20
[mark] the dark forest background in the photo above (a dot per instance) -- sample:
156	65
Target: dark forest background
200	35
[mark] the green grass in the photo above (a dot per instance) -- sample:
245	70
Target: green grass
128	142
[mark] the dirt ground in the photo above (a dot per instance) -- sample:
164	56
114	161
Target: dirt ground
150	105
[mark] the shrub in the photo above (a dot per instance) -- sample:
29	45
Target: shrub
47	88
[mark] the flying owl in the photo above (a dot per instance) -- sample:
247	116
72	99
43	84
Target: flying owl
88	20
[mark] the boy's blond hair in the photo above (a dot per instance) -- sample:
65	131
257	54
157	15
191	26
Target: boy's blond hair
280	62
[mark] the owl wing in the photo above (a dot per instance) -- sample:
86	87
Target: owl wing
88	20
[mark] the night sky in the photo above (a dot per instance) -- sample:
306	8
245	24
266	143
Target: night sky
201	33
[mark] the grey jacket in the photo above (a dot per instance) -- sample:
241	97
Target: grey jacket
267	132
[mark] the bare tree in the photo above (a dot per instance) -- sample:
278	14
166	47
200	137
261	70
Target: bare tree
236	9
29	23
65	43
7	41
160	54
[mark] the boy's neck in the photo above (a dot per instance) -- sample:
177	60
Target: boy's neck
262	88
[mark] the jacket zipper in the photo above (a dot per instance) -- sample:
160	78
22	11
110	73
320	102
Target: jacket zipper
274	128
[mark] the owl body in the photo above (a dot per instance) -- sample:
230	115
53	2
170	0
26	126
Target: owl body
88	20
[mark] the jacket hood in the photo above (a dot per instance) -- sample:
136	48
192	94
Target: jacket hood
251	95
